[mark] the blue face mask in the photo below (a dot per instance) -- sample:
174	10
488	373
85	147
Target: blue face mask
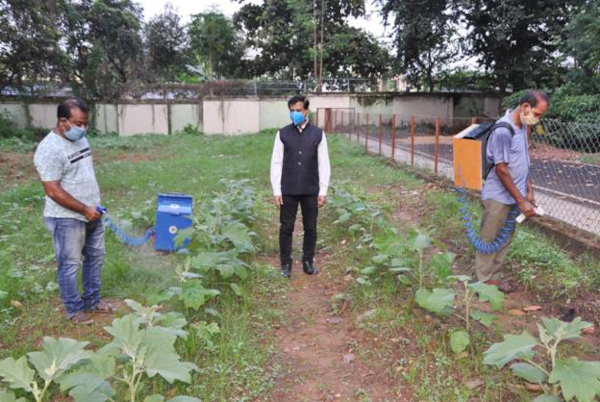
297	118
75	133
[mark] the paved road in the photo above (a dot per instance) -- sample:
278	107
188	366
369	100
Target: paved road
576	211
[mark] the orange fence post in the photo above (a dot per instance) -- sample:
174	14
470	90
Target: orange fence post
379	133
412	140
437	145
367	136
474	120
358	127
393	136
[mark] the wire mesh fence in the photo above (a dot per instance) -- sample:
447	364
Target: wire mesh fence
565	157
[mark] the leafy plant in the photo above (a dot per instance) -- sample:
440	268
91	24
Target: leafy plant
570	377
56	358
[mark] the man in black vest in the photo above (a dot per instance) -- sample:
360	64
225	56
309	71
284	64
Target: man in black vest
300	173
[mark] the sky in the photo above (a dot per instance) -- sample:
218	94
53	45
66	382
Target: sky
371	22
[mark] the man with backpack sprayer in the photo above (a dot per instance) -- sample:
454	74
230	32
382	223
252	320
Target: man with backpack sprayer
508	182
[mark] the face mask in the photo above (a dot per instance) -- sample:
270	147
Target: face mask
297	118
75	133
530	119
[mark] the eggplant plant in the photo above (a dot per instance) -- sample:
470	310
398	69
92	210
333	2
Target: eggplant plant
557	375
141	349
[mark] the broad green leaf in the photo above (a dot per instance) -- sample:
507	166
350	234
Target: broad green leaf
184	399
484	318
89	382
58	356
226	270
17	373
344	217
126	335
173	323
439	301
380	258
3	294
50	287
529	373
418	241
442	264
459	341
577	379
389	243
561	330
193	294
241	271
400	269
547	398
404	279
355	228
513	347
368	270
206	260
488	293
398	262
236	289
162	359
9	396
239	235
460	278
363	281
154	398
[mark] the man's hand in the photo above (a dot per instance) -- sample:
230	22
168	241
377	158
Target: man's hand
526	208
91	214
279	201
322	200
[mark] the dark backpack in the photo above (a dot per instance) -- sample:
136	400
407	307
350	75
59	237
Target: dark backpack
482	133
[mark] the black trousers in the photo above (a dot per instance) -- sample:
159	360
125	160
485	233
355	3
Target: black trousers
287	218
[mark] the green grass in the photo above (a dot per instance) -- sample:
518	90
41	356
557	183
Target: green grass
132	171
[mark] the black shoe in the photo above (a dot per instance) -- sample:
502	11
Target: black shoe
309	268
286	271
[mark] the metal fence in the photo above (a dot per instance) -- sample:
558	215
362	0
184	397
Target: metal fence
565	157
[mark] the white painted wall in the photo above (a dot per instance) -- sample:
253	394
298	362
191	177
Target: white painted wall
43	115
143	119
184	114
423	106
231	116
274	113
16	112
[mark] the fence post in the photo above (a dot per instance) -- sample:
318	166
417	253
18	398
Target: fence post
412	140
393	137
367	136
436	150
358	127
379	133
317	122
474	120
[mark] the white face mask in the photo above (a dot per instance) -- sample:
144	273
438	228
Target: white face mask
529	119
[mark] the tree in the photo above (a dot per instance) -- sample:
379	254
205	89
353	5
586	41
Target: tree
516	41
29	44
582	44
424	38
167	44
216	45
285	37
114	65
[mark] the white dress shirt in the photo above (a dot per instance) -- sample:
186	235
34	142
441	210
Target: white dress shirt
277	164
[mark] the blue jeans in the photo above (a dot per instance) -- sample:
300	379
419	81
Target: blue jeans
72	240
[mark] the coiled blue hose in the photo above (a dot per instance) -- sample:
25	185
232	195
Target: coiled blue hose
124	237
473	237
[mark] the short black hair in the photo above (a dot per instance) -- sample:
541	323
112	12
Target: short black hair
64	109
534	97
298	98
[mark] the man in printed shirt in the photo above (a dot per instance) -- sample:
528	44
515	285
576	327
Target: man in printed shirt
508	183
64	162
300	172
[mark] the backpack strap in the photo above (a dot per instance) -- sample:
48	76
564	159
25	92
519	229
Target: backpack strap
500	124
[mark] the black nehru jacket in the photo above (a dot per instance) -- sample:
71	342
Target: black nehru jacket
300	173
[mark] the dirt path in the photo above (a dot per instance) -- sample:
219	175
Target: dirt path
318	348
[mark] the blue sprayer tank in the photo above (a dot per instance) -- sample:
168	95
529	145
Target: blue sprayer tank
173	213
